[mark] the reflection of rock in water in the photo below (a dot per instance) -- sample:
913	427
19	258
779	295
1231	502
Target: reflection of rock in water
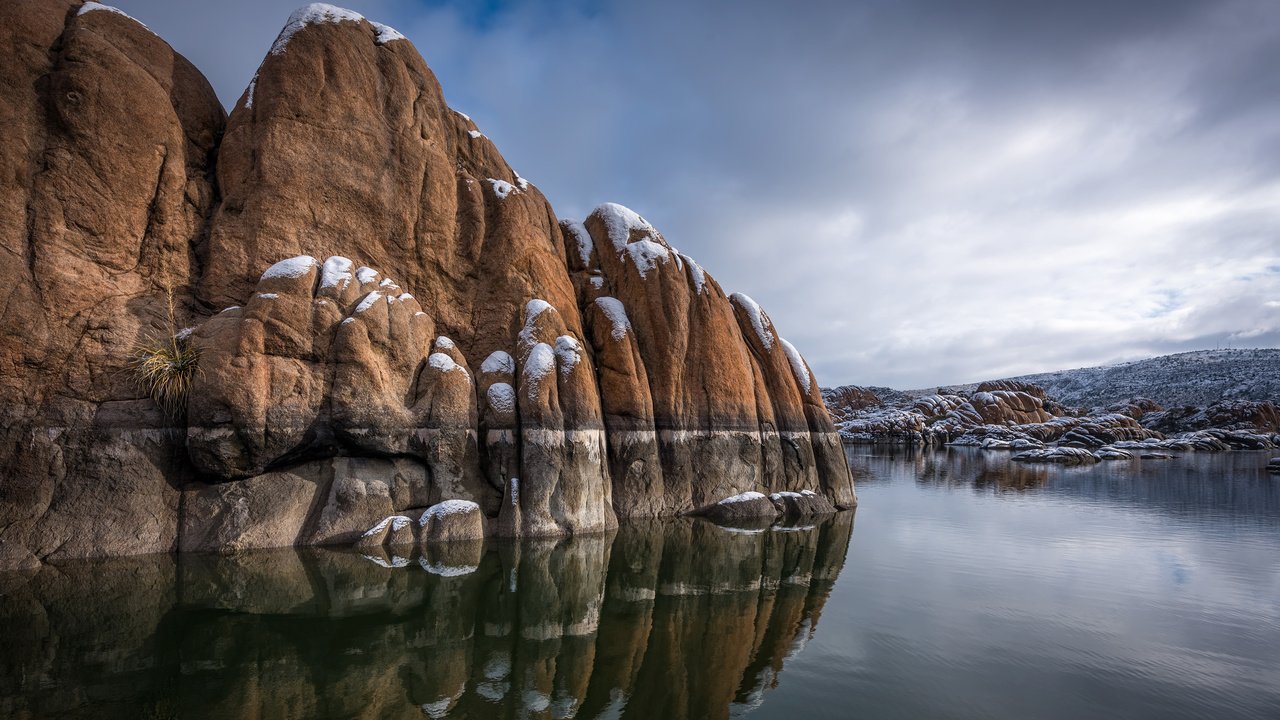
672	619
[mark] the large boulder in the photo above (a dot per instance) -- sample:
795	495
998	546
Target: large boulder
387	315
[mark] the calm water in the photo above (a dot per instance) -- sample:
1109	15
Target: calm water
970	588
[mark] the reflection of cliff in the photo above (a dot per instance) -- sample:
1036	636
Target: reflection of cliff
678	619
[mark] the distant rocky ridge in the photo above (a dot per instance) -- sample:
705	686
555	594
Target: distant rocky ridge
1018	415
388	316
1195	378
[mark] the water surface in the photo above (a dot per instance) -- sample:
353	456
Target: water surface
972	587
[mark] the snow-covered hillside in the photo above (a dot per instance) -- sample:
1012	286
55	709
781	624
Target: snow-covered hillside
1191	378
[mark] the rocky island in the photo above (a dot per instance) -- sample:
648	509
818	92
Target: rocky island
338	316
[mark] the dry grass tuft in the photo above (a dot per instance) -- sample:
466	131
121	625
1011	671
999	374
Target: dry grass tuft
166	367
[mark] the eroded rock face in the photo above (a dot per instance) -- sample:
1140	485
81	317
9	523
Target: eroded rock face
367	281
106	186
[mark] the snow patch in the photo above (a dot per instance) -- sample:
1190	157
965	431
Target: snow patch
312	14
268	296
502	188
294	267
184	333
386	33
742	497
368	301
366	275
502	397
698	274
646	254
336	272
617	314
92	6
444	363
442	342
568	352
448	507
515	491
597	281
463	115
540	363
397	523
798	367
253	85
499	361
583	238
475	134
757	316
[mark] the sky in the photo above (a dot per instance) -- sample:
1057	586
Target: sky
918	193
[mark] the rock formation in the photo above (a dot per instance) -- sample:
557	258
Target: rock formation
1016	415
387	315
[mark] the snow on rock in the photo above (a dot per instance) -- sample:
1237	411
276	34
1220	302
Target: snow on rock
502	397
646	251
617	314
742	497
475	134
93	6
620	220
368	301
515	491
294	267
646	254
502	188
444	363
397	522
758	320
462	115
336	272
568	352
448	507
366	275
499	361
386	33
798	367
597	282
253	85
184	333
532	310
443	342
698	274
268	296
312	14
583	238
540	364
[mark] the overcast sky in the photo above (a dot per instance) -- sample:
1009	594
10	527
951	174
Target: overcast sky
918	193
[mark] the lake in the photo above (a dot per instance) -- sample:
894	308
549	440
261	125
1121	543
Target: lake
965	586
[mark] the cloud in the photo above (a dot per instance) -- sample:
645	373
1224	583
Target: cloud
919	193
